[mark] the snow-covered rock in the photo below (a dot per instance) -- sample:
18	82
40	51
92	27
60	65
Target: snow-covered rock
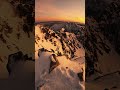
69	53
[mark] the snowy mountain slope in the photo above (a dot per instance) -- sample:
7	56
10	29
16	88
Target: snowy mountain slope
101	48
102	60
13	36
61	43
16	33
69	53
64	76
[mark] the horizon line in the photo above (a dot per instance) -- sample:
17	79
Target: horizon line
59	21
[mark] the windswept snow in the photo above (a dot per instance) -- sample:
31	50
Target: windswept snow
62	77
69	53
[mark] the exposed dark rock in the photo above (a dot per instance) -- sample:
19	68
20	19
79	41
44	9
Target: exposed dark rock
1	59
106	89
2	38
80	75
54	64
114	87
13	59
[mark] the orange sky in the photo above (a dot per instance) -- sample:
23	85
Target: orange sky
60	10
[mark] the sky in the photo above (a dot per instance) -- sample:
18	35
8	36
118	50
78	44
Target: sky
60	10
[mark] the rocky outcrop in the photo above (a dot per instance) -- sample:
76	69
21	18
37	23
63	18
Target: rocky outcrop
15	58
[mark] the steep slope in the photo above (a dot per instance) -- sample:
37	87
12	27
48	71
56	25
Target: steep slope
59	42
14	35
70	54
102	48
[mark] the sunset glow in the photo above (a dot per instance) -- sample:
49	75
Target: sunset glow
60	10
